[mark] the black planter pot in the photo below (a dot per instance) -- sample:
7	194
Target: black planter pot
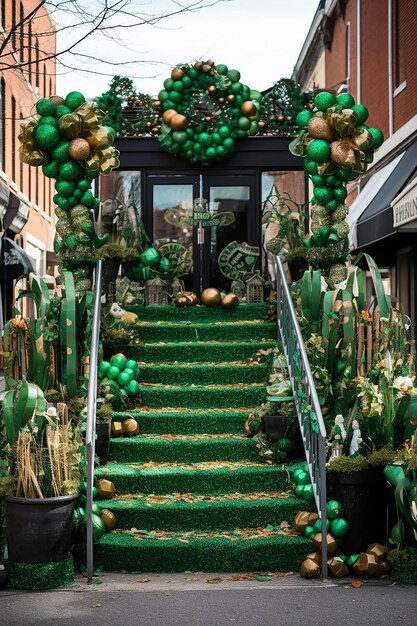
275	426
103	432
39	529
365	497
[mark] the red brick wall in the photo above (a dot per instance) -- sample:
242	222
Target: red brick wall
405	103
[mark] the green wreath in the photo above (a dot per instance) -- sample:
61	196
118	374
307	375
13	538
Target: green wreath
205	109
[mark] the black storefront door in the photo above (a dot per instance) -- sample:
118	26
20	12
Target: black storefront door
204	213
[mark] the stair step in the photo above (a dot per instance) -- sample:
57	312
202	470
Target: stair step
194	351
252	550
204	374
187	511
218	331
205	478
184	421
202	396
200	313
182	448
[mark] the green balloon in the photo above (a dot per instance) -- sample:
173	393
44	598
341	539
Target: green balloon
62	110
236	88
47	136
224	131
61	152
310	532
233	75
65	188
163	96
323	194
175	97
351	560
150	257
44	106
84	184
303	118
332	205
299	491
340	194
74	100
345	100
113	372
168	84
131	364
103	367
378	137
164	265
124	378
71	170
256	95
302	478
48	119
204	139
339	528
324	100
119	361
333	509
98	526
310	166
210	152
180	137
318	150
132	388
361	113
222	69
244	123
308	493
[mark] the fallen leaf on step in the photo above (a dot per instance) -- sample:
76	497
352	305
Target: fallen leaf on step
262	579
143	580
356	583
284	524
96	606
214	581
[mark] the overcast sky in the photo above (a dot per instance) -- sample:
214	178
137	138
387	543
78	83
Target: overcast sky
260	38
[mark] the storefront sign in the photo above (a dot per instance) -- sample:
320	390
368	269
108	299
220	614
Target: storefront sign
404	206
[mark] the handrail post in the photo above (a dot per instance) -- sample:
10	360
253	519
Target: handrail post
90	439
314	439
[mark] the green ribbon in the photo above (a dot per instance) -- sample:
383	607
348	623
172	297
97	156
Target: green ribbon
68	332
311	296
20	407
384	301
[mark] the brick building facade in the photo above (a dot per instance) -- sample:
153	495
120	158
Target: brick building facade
27	72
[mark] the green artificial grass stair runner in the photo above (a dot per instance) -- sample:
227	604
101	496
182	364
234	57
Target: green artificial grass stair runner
192	492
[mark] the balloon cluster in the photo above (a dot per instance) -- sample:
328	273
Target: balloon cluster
120	370
205	109
336	146
304	488
151	264
73	148
102	519
213	297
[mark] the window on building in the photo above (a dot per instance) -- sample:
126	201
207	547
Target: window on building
2	125
398	56
13	38
347	56
14	139
30	50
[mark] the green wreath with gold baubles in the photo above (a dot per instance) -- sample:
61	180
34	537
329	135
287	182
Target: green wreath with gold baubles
336	146
205	109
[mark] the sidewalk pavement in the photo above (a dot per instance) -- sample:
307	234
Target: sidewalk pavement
201	599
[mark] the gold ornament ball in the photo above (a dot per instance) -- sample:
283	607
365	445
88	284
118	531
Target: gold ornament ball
198	65
229	301
231	97
206	68
315	556
211	297
212	89
79	149
248	108
210	62
367	565
280	118
221	100
155	130
116	429
168	115
177	73
178	122
191	297
310	569
130	427
332	546
105	489
320	129
57	101
108	518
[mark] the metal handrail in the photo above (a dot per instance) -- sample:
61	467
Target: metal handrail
313	431
90	439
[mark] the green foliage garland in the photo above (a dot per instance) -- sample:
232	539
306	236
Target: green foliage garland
281	107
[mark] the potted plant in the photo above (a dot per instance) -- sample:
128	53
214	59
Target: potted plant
42	459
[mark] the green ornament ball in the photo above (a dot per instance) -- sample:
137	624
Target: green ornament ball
44	106
345	100
351	560
91	174
308	493
47	136
378	137
244	123
113	372
324	100
323	194
222	69
310	167
124	378
88	199
62	110
98	526
332	205
317	526
333	509
70	170
224	131
150	257
299	491
361	113
65	188
48	119
303	118
102	368
340	194
131	364
119	361
318	150
233	75
339	528
74	100
61	152
50	169
180	137
84	184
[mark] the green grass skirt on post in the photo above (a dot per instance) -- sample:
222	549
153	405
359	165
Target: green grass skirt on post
41	576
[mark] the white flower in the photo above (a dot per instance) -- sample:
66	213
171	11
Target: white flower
404	384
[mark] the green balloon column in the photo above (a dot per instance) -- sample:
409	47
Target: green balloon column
73	148
205	108
336	146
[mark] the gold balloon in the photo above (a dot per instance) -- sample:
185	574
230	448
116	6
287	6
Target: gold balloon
105	488
198	65
248	108
304	519
57	100
337	568
116	429
108	518
332	546
378	550
168	115
206	68
177	73
130	427
79	149
310	569
211	297
367	565
178	122
320	129
230	300
315	556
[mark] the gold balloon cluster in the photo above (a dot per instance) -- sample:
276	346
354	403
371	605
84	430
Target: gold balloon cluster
213	297
128	428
